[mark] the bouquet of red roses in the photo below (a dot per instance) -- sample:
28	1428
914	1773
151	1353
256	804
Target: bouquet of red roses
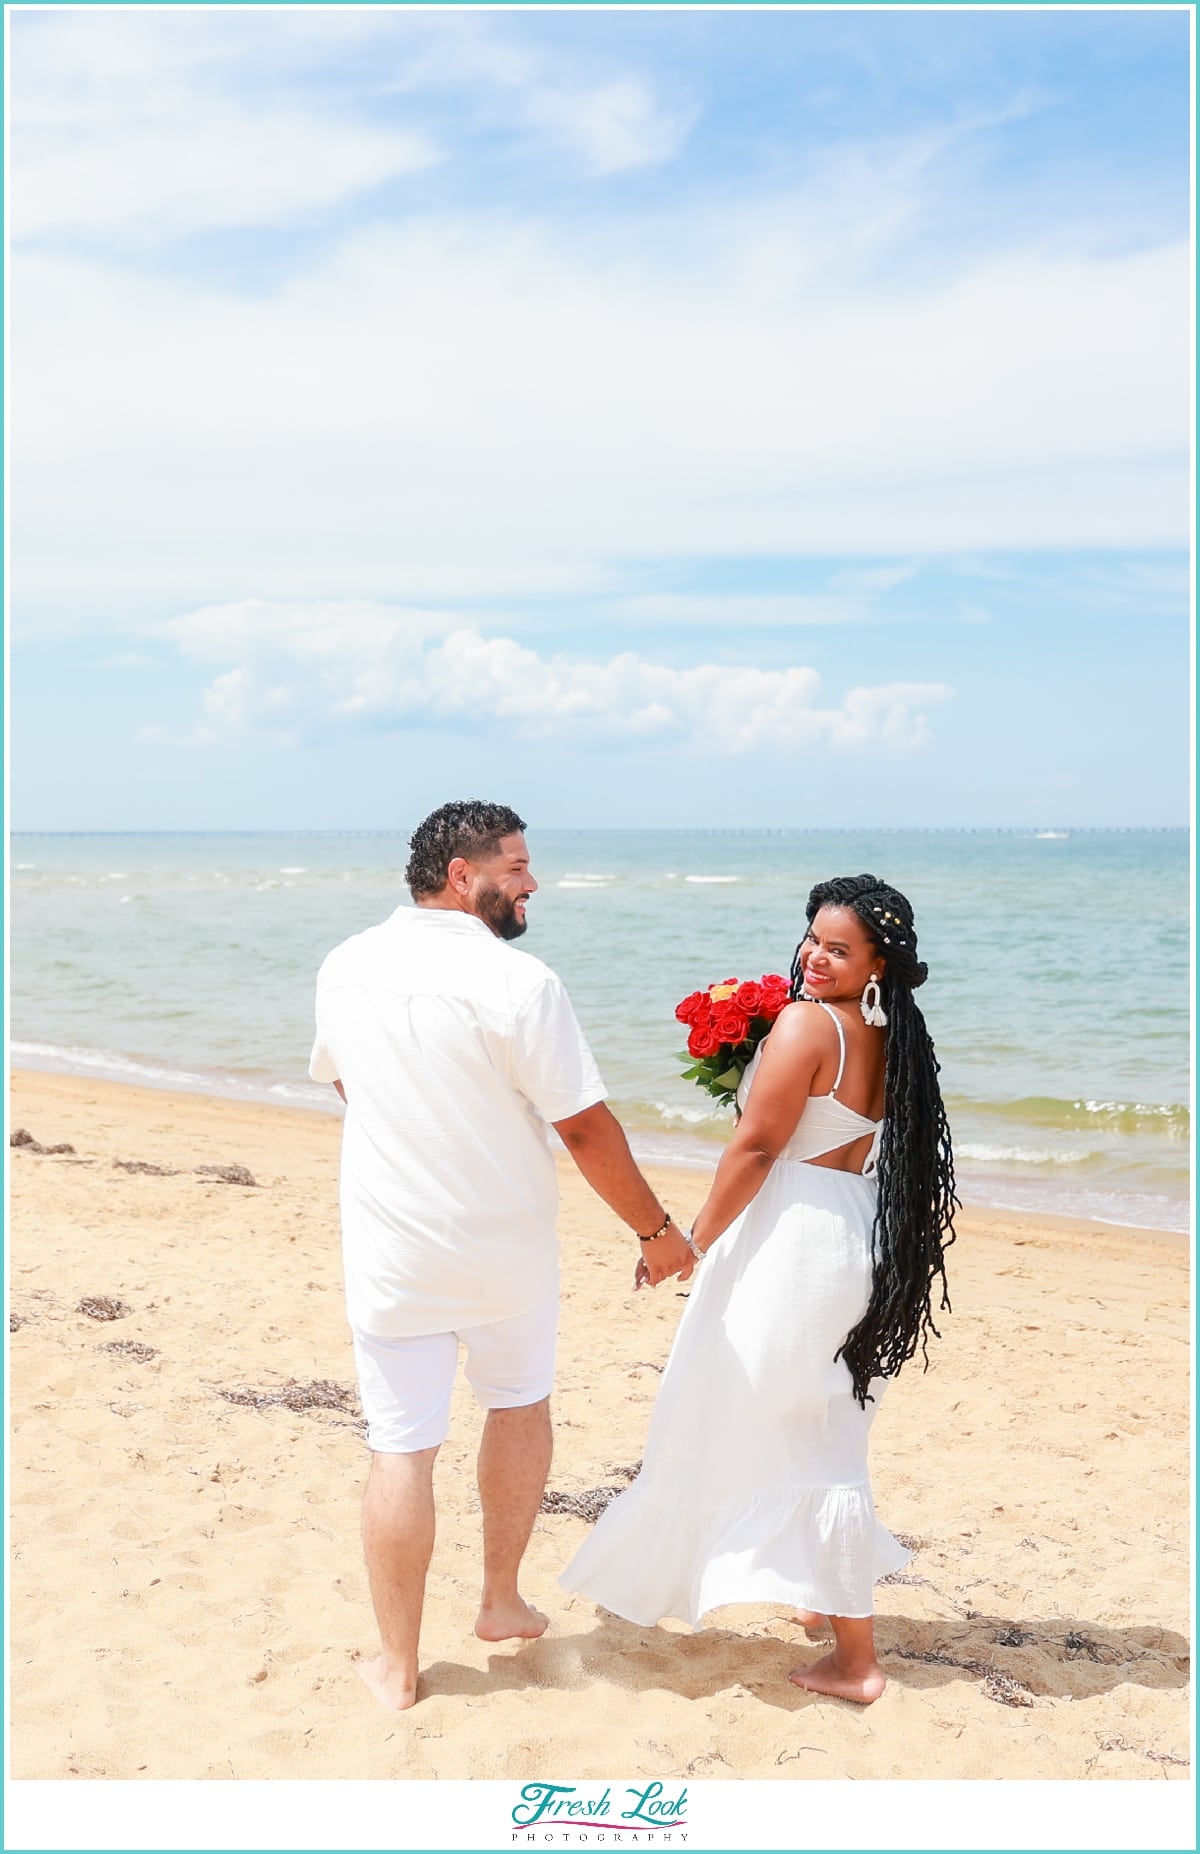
727	1022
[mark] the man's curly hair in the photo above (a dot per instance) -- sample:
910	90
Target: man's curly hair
467	827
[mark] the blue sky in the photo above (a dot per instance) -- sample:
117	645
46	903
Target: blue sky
691	417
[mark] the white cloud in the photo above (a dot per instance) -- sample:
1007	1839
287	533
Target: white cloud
306	632
614	126
1138	588
468	404
610	120
855	596
474	405
139	128
869	579
135	128
732	611
224	167
312	667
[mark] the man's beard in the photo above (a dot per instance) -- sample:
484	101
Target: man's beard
498	912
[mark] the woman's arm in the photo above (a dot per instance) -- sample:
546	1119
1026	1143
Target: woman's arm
782	1084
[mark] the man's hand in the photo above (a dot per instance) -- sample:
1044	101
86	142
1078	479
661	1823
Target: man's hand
597	1144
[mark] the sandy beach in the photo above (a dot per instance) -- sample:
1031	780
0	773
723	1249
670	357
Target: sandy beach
188	1597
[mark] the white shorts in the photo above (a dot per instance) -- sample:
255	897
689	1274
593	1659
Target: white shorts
405	1384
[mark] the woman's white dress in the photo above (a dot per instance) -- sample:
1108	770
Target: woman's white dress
754	1486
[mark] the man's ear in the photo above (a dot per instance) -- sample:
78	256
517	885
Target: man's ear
458	875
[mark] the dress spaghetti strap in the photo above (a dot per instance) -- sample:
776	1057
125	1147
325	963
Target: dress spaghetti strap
830	1012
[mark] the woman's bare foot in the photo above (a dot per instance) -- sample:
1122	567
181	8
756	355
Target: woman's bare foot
831	1675
393	1685
814	1623
501	1622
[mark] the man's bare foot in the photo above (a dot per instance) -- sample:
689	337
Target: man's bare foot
829	1675
393	1686
500	1622
814	1623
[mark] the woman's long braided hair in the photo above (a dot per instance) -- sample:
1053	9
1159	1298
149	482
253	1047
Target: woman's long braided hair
914	1224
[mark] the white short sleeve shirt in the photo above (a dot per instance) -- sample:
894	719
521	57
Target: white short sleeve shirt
455	1050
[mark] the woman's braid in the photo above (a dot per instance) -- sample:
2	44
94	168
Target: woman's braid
914	1223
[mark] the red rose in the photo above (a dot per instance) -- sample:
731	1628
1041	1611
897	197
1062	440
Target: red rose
730	1025
703	1041
748	998
692	1008
776	992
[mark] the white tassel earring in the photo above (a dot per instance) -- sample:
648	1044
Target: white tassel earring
870	1006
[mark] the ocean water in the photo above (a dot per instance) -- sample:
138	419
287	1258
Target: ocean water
1057	996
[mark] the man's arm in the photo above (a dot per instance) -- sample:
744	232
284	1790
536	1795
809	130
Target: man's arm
596	1141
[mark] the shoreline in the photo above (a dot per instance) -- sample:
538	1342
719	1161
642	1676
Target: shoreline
187	1594
647	1156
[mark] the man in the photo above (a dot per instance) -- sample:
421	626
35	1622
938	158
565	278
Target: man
453	1050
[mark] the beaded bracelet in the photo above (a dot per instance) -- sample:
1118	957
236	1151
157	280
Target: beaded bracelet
660	1231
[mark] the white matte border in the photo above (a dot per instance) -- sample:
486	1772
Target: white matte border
834	1815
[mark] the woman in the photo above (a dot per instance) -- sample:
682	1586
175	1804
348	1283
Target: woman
827	1221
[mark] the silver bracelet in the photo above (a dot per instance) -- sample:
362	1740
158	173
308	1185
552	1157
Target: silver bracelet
691	1243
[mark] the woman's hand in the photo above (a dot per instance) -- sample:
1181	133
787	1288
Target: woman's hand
790	1059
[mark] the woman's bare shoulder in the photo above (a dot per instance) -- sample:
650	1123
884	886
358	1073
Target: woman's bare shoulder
802	1026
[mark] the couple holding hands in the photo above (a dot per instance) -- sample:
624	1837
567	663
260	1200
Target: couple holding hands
813	1260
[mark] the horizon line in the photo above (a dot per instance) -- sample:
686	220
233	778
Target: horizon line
696	830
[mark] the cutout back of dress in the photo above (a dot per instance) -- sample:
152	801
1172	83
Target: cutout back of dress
826	1122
